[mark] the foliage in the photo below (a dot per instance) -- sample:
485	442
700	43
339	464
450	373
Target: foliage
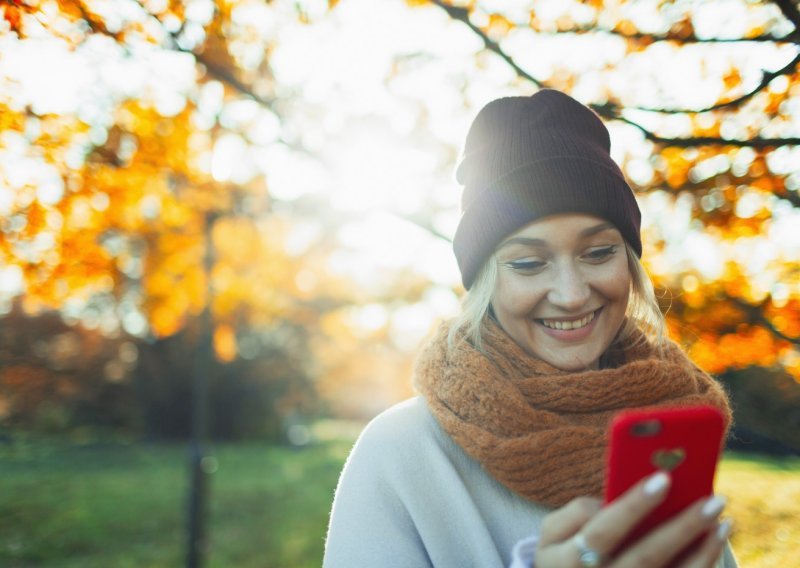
254	397
58	378
134	197
759	396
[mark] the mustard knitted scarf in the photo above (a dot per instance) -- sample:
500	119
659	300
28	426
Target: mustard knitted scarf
539	430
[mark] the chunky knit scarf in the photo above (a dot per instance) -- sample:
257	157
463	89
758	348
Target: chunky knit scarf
539	430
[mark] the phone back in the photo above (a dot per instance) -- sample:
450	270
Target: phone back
684	441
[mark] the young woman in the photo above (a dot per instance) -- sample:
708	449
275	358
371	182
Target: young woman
500	459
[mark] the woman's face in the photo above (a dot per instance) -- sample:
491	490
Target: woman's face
562	288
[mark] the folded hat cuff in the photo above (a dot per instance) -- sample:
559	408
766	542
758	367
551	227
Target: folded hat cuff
563	184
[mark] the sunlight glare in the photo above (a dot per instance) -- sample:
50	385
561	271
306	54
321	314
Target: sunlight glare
11	281
377	171
410	324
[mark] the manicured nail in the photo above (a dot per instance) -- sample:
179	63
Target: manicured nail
657	483
713	506
724	529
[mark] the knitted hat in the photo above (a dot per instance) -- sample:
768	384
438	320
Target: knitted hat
529	157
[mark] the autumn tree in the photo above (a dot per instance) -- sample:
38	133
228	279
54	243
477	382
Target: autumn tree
111	204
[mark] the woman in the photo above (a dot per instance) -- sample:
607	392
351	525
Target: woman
501	458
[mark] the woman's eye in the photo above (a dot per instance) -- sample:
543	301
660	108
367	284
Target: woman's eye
601	253
525	265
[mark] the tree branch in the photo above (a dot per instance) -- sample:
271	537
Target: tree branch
426	225
790	12
227	77
612	111
462	15
216	71
756	315
791	196
97	26
793	37
766	78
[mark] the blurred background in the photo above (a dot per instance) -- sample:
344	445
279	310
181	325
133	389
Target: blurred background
257	197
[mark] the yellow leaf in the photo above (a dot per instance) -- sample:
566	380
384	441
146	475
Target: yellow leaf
225	346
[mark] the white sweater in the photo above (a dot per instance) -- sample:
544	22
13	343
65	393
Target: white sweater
410	497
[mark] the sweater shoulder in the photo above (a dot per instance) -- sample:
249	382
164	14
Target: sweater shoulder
386	457
406	426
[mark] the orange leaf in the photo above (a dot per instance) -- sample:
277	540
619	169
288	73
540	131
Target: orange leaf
13	16
225	346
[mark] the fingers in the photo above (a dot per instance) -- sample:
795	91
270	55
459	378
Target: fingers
602	528
711	549
568	520
662	544
609	528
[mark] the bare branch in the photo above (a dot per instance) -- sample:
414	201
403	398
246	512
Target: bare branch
462	15
756	315
227	77
790	196
790	12
426	225
216	71
793	37
692	141
766	78
612	111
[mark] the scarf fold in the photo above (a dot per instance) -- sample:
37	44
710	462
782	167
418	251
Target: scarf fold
542	431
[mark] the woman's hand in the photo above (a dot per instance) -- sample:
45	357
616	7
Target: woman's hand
584	526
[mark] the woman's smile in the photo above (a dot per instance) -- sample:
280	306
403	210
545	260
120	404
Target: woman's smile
570	329
574	323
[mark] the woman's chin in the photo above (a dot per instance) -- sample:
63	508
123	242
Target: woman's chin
571	362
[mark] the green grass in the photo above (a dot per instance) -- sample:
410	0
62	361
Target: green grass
117	506
114	506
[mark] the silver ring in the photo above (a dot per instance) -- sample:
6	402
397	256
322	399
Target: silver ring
589	557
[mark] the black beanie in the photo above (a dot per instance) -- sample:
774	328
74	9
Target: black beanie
529	157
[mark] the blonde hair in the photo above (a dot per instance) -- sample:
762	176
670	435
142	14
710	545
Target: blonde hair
643	312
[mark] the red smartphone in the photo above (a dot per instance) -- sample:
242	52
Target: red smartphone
686	442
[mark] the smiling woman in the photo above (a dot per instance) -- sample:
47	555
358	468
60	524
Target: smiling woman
501	459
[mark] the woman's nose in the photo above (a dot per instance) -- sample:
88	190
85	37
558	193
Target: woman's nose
570	288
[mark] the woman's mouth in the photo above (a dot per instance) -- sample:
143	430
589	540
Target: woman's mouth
567	325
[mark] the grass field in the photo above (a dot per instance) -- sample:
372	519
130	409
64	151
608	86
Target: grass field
118	506
764	503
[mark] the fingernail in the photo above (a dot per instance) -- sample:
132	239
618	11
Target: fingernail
657	482
724	529
714	506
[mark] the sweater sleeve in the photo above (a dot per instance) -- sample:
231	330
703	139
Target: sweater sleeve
522	556
369	524
727	560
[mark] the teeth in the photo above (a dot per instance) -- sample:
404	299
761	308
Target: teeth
555	324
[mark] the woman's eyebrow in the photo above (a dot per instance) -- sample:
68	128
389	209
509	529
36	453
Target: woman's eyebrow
529	241
597	229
